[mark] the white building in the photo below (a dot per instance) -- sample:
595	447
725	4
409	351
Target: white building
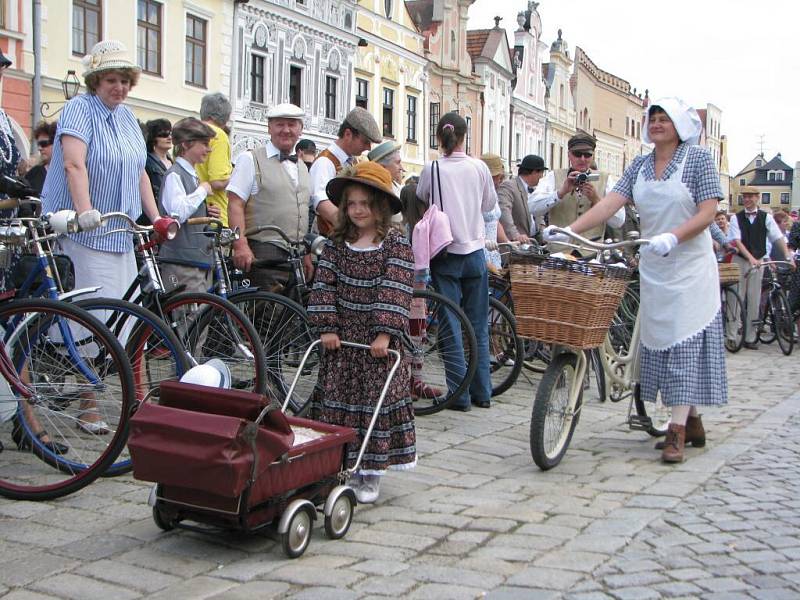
560	104
529	112
295	51
491	62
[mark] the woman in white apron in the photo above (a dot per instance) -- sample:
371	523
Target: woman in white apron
675	189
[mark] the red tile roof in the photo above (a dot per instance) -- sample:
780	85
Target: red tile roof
476	40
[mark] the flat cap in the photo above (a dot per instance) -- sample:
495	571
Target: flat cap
495	164
365	124
582	141
749	189
285	111
383	150
532	163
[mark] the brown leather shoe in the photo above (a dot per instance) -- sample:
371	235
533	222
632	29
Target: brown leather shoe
673	444
695	434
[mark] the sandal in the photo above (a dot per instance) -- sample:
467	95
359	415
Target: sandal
23	441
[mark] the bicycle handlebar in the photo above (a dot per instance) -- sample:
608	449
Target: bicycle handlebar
599	245
204	221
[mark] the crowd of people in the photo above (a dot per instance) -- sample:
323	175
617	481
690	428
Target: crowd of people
98	159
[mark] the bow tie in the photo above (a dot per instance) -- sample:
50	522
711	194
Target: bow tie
291	157
751	214
530	189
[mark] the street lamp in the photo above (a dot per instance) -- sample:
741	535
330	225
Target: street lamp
70	86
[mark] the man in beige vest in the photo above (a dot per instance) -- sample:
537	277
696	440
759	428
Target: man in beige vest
269	186
513	198
565	194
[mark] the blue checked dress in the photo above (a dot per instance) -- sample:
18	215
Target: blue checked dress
692	371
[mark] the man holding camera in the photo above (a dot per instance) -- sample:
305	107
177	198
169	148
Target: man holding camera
565	194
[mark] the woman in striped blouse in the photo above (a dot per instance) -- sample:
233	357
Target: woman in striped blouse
97	167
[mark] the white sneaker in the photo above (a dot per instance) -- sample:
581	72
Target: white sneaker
368	491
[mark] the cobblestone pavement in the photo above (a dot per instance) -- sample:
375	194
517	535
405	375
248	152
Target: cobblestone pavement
477	518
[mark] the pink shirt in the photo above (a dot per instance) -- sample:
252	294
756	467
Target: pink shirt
468	192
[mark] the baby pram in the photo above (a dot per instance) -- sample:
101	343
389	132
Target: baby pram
232	460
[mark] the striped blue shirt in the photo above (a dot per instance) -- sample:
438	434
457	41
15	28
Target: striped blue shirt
115	159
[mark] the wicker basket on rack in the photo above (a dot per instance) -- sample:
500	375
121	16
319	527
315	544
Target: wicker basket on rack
565	302
728	273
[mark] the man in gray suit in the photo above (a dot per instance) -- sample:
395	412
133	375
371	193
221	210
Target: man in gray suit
513	198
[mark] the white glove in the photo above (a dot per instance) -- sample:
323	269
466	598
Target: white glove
661	244
548	235
491	246
89	219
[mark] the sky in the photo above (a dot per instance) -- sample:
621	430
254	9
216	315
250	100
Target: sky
741	56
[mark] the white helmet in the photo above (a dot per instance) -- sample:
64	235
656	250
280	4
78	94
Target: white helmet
213	373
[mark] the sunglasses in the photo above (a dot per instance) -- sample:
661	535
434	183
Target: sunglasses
583	154
44	143
164	134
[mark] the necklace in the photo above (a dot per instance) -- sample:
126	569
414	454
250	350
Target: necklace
7	141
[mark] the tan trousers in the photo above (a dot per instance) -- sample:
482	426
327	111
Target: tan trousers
750	291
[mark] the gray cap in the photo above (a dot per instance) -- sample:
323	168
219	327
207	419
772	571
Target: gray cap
365	124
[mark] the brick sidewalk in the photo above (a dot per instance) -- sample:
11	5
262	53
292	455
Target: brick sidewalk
477	517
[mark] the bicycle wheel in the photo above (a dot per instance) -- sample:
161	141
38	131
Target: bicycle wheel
506	349
155	352
656	416
733	318
596	364
209	326
553	420
782	321
74	368
283	329
443	360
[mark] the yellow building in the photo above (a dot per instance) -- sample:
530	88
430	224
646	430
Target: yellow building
773	179
184	49
390	80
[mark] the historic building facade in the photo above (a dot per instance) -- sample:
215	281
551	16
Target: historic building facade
452	85
390	78
774	180
717	144
560	104
491	62
528	104
298	51
16	84
607	107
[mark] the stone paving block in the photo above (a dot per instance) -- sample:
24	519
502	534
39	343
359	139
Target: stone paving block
127	575
593	543
485	524
519	593
636	593
393	540
203	547
639	579
485	564
583	562
347	547
21	572
26	532
546	530
588	596
397	586
453	575
413	529
196	588
722	584
68	585
26	595
21	509
262	590
688	574
549	578
775	594
379	567
183	567
97	546
298	574
672	589
444	592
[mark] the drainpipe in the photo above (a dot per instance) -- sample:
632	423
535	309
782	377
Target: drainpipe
36	93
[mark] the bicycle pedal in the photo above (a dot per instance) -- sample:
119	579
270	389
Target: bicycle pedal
640	423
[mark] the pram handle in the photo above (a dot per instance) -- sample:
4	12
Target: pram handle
389	377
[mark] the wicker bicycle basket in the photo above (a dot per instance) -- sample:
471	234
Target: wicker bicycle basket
565	302
728	273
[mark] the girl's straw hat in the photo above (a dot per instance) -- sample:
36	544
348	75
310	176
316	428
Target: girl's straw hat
366	173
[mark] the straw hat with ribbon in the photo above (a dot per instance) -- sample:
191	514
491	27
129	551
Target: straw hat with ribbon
368	173
108	54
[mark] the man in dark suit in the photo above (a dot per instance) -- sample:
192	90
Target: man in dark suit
513	199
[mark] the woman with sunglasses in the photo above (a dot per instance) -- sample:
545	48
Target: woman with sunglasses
44	134
159	143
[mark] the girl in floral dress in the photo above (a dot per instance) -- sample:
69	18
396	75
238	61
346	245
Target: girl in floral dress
362	293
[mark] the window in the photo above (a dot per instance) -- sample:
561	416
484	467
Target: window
552	156
610	122
561	157
148	40
388	112
771	176
775	176
362	98
86	22
785	197
469	135
331	83
518	146
411	117
387	7
453	45
502	141
627	125
195	51
296	85
562	98
491	80
765	197
434	110
740	200
257	78
743	181
759	162
488	143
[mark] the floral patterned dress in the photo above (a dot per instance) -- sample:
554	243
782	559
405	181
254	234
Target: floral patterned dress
8	166
358	294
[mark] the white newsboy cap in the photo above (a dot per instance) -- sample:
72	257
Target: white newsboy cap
285	111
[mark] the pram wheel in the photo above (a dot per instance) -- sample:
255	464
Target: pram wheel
162	521
295	527
339	511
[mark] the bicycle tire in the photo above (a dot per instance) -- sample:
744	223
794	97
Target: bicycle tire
557	380
285	332
209	327
733	319
62	375
155	352
782	321
435	366
596	364
766	327
505	347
